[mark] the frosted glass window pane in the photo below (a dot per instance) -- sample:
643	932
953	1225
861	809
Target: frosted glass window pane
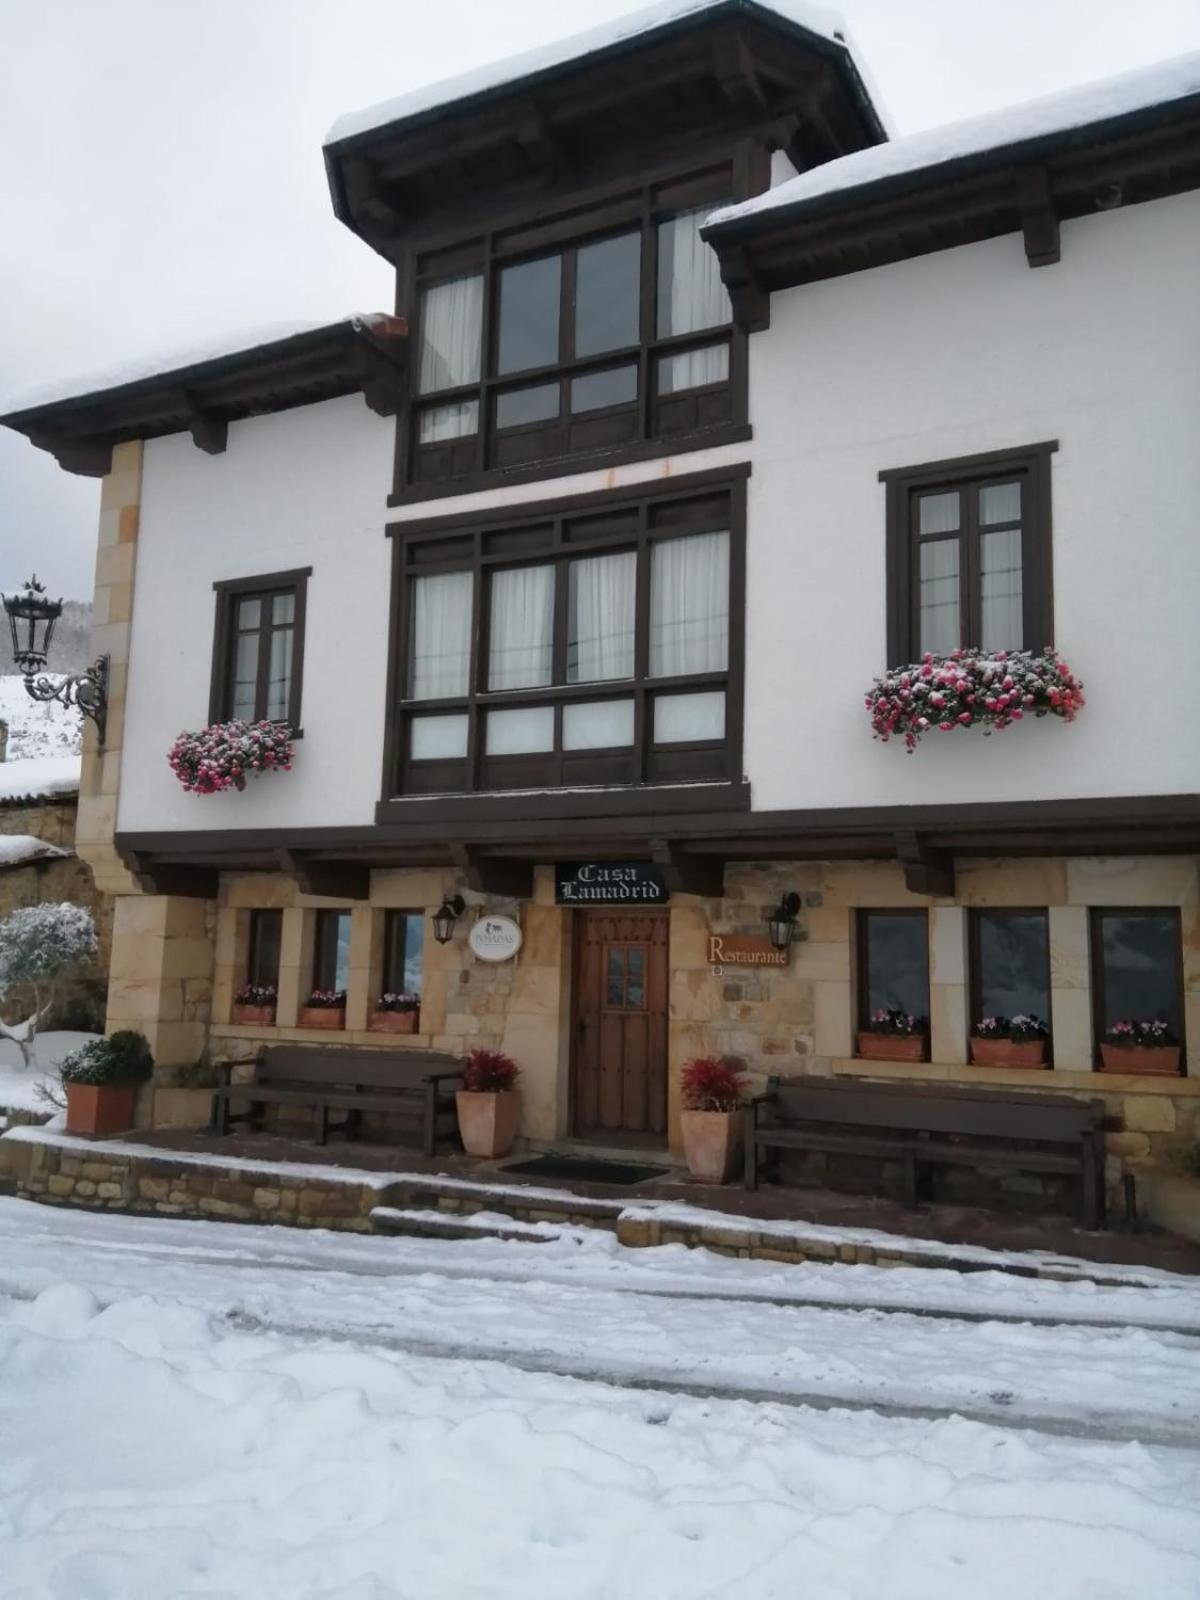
283	608
529	302
940	629
456	421
439	738
681	718
710	364
1000	580
245	676
689	605
522	628
451	334
938	513
598	724
600	617
1000	502
691	295
521	731
441	628
279	680
608	280
249	613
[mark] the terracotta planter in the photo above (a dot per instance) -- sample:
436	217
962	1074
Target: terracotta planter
253	1016
393	1022
892	1046
1004	1053
96	1110
712	1143
326	1017
487	1122
1161	1061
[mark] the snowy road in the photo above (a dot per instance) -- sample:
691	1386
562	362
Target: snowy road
192	1409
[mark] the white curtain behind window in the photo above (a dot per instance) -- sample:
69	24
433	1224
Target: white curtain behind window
601	618
691	297
689	605
451	345
441	627
522	628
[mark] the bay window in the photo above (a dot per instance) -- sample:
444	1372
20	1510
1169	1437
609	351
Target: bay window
605	329
594	642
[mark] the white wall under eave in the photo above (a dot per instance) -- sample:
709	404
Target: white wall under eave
948	355
303	488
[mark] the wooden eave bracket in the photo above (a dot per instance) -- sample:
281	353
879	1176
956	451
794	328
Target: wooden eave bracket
367	202
737	76
380	375
1039	218
750	299
926	870
170	878
335	880
686	873
498	875
542	143
88	458
209	432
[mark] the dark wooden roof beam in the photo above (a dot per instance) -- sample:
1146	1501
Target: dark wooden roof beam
1039	219
489	874
88	458
927	870
685	872
209	431
335	880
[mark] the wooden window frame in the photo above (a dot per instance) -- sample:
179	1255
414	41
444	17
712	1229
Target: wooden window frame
390	916
323	919
862	956
1096	915
968	474
975	915
674	422
257	915
265	586
541	533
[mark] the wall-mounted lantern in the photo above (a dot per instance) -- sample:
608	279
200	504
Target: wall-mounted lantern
782	920
31	617
446	915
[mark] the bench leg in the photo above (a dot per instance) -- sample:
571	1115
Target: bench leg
1092	1188
750	1174
429	1120
910	1179
219	1120
322	1123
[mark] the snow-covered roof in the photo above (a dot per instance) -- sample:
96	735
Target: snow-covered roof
816	19
169	363
20	849
40	778
1045	119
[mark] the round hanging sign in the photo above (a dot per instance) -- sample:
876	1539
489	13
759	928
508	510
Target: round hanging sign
495	938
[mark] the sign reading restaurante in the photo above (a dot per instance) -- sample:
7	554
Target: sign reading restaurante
609	883
744	950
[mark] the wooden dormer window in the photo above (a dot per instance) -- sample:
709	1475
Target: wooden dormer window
608	330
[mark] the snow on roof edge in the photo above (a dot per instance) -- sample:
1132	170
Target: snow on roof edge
236	342
815	18
39	778
1066	111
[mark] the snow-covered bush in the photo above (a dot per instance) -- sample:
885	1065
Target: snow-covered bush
40	948
124	1057
220	756
970	688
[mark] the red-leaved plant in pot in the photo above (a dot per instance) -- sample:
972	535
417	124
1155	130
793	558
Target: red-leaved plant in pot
1018	1041
254	1005
1143	1045
487	1104
395	1013
894	1035
324	1008
101	1079
711	1118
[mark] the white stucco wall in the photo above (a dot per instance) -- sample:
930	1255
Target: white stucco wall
952	354
303	488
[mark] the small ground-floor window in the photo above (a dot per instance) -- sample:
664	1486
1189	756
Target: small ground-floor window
331	952
1010	964
893	964
403	946
262	954
1137	968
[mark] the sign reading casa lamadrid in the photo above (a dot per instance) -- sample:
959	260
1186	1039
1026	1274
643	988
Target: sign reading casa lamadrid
609	883
495	938
744	950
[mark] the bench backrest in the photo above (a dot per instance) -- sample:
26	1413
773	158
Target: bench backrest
924	1108
345	1066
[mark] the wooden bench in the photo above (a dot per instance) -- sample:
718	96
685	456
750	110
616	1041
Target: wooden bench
924	1125
414	1086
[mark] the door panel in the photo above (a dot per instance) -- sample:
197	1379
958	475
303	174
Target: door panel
619	1079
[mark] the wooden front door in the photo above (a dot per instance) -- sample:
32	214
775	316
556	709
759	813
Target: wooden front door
619	1080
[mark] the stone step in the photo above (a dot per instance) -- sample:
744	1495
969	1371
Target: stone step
438	1225
524	1203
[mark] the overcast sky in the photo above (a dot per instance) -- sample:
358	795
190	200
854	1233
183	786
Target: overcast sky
161	176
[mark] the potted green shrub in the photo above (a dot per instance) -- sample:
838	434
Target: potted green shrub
324	1008
487	1104
711	1118
1143	1045
894	1035
395	1013
254	1005
1018	1041
101	1079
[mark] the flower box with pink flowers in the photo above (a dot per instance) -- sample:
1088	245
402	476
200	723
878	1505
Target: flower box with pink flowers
971	689
324	1008
254	1005
1141	1045
222	755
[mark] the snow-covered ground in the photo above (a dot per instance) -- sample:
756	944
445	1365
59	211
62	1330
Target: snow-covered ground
35	728
19	1088
195	1409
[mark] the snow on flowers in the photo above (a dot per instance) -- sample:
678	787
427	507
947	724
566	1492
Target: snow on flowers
971	688
220	756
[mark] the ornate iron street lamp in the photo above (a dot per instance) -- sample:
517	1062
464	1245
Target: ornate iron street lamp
446	915
31	616
782	920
